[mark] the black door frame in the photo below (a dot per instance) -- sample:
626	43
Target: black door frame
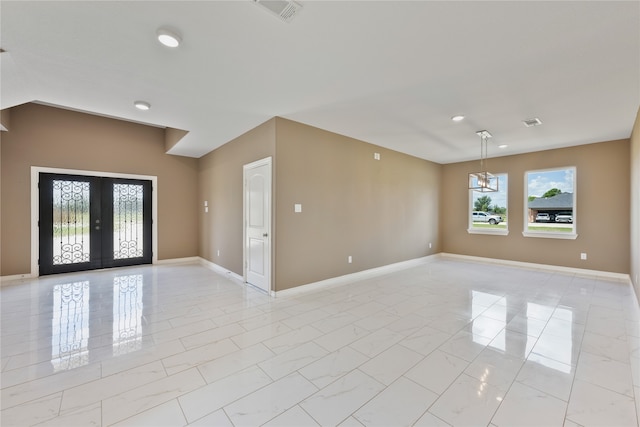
35	208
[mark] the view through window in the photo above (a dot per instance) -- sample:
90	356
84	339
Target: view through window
488	211
550	204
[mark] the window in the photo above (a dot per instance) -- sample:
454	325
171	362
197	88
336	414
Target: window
488	211
550	204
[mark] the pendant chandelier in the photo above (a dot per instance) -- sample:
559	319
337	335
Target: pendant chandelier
483	181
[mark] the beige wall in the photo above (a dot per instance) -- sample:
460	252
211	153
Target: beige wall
602	216
51	137
220	184
378	212
635	206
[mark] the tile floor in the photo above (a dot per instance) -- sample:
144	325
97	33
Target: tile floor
444	343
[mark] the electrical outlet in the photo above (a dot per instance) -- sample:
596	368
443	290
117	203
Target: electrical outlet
429	245
350	260
583	256
218	252
376	156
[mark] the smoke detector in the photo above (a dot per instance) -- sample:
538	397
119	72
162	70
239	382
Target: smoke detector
532	122
283	9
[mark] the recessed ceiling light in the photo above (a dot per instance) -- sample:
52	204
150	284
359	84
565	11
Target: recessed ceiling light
502	146
458	118
142	105
168	37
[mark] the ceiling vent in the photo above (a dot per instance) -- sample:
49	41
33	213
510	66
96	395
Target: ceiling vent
285	10
532	122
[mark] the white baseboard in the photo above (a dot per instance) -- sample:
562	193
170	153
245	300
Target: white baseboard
546	267
360	275
8	280
221	270
187	260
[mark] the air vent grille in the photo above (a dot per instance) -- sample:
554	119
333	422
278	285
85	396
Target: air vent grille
285	10
532	122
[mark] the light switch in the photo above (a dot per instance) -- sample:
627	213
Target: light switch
376	156
297	208
206	209
206	203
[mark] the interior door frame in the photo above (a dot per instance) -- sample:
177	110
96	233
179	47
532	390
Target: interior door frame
270	241
35	207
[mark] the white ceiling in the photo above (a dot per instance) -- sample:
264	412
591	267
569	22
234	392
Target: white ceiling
387	72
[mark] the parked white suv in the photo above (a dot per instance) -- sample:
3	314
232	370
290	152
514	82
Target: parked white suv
486	217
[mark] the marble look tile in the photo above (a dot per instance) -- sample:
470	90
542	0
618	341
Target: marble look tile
292	360
341	337
401	403
591	405
376	320
294	417
514	343
204	400
25	392
430	420
334	403
465	345
142	357
407	325
437	371
38	410
217	419
197	356
547	375
289	340
89	416
564	350
334	322
182	331
485	327
351	422
602	345
425	340
270	401
391	364
302	319
211	335
495	368
134	401
234	362
376	342
257	335
167	414
333	366
98	390
526	325
526	406
468	402
606	373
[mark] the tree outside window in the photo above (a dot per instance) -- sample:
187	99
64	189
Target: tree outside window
488	211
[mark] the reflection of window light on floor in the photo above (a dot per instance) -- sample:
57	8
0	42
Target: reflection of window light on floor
70	326
127	314
555	343
480	302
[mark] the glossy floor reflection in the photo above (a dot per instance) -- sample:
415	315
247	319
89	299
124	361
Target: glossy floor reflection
444	343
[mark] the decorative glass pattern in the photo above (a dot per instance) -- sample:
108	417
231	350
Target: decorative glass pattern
70	326
71	222
127	221
127	313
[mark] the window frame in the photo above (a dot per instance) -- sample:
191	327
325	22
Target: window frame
572	235
470	209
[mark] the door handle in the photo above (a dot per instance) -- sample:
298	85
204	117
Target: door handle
97	227
265	235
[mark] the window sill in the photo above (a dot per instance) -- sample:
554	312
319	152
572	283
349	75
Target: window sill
550	235
490	231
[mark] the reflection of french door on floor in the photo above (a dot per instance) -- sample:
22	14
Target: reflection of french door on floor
89	222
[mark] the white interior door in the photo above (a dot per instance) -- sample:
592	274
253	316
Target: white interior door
257	215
